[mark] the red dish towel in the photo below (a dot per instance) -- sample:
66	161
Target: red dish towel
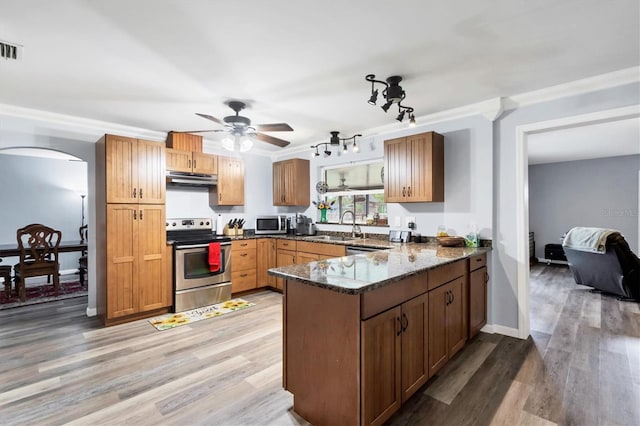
214	257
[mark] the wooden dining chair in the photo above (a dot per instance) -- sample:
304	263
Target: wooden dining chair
5	274
38	245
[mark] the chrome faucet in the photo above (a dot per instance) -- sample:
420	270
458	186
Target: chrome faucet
356	228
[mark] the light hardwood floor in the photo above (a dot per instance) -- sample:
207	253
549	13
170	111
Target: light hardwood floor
581	366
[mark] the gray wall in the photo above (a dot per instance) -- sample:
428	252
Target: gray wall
505	264
41	190
601	193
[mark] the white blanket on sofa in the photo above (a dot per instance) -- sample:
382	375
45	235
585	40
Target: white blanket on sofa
588	239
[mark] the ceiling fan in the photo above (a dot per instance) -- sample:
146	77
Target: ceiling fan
241	130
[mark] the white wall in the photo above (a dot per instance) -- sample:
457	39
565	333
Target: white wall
601	193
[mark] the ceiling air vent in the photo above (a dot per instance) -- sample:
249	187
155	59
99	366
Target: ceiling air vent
10	50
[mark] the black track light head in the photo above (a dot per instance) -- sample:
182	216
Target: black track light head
374	97
400	116
386	106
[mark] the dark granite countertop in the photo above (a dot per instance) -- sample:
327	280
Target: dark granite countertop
364	272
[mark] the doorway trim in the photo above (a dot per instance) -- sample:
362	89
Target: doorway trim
522	192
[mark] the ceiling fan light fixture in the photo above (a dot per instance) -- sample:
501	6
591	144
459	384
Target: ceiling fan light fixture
245	143
335	139
228	143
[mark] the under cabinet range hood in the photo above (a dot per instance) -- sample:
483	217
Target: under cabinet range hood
191	179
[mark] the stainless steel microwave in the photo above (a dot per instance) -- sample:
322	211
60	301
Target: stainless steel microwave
271	225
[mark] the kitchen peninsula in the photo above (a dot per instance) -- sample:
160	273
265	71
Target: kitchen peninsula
362	333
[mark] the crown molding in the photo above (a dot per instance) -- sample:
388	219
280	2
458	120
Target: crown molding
90	126
572	88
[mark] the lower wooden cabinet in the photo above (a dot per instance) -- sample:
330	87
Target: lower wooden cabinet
136	252
266	259
478	281
394	358
243	265
446	323
284	258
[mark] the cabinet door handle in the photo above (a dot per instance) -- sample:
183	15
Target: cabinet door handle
486	277
406	322
404	192
399	327
141	193
135	214
134	192
409	191
244	254
449	297
244	244
194	164
189	163
220	196
140	214
243	275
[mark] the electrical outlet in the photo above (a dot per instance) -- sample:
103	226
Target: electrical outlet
398	221
409	219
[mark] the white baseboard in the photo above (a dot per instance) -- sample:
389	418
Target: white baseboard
501	329
558	262
91	312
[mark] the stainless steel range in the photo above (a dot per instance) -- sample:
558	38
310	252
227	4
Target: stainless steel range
195	284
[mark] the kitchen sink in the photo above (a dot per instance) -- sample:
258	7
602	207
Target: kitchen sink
328	238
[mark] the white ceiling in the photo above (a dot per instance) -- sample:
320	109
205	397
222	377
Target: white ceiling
153	64
607	139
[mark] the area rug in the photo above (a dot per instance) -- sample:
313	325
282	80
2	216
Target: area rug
167	321
42	293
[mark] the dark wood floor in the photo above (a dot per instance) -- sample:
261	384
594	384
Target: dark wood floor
581	366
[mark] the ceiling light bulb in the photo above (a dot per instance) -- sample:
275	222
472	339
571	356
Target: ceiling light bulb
344	147
245	144
412	120
400	116
228	143
386	106
355	147
374	97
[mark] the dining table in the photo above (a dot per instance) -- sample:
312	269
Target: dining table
8	250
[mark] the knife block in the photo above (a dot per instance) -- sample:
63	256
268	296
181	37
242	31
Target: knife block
233	232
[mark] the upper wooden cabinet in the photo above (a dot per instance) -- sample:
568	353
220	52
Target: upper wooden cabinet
134	170
291	182
414	168
184	142
191	162
230	188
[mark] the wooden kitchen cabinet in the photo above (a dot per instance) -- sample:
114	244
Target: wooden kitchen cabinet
184	142
478	281
284	258
291	182
414	168
135	260
266	259
446	323
191	162
230	188
243	265
134	170
394	358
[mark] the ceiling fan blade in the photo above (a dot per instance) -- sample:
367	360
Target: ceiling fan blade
270	139
273	127
198	131
210	117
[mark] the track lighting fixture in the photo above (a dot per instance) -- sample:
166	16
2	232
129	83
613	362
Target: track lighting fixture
393	93
335	140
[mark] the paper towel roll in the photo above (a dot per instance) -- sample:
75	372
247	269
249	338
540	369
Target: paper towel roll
219	225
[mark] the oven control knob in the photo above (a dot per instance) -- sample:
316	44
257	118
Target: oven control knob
207	223
173	224
201	223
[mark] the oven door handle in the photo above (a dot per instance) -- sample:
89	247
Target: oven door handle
192	246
